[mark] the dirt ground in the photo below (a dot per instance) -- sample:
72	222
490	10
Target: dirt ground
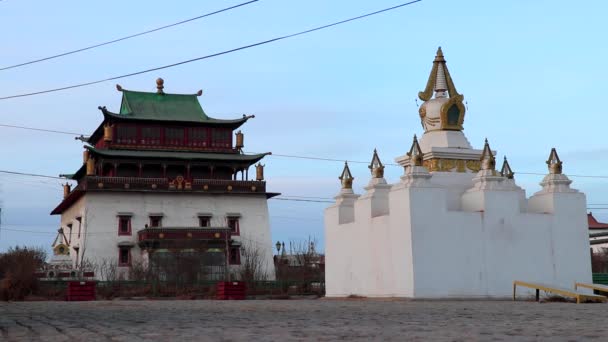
302	320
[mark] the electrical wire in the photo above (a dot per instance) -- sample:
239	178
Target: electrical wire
211	55
125	38
40	129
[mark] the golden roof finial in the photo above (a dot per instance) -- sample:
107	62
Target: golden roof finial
160	85
555	165
346	178
506	171
445	81
376	166
415	153
488	162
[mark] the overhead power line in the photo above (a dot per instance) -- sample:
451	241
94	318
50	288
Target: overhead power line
211	55
126	37
30	174
40	129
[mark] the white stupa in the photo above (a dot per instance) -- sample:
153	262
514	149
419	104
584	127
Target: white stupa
453	226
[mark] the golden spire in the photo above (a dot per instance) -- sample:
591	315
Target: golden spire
506	171
346	178
415	153
439	80
555	165
376	166
488	162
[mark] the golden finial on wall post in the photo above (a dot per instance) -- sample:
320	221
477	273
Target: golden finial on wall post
506	171
415	153
554	164
259	172
376	166
346	178
488	162
85	156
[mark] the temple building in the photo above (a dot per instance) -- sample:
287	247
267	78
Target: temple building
453	226
160	179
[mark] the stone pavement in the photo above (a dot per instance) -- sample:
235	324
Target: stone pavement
302	320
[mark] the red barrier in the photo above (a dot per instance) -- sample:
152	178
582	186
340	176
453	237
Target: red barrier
231	290
81	290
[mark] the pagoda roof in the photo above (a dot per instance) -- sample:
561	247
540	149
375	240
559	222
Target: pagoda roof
139	105
210	156
594	224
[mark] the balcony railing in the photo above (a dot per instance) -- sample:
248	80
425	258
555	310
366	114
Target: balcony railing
168	237
166	184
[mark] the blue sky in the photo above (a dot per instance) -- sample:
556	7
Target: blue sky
532	73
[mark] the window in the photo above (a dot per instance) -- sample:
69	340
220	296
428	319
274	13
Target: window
124	256
126	134
150	135
156	221
174	136
204	221
70	234
124	225
197	137
221	138
79	219
233	224
235	256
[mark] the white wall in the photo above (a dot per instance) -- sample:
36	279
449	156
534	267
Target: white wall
425	249
100	209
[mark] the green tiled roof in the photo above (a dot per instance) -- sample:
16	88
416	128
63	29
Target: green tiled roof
155	106
237	157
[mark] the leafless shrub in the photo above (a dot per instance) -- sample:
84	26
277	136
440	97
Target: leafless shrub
17	271
253	264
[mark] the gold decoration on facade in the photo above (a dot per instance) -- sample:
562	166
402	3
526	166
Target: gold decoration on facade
85	156
253	188
205	187
376	166
217	235
61	249
127	185
154	186
445	108
460	165
259	172
100	185
189	234
188	185
554	163
346	178
474	165
229	187
415	153
161	235
488	162
506	171
447	165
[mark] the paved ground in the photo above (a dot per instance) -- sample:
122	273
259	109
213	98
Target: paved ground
314	320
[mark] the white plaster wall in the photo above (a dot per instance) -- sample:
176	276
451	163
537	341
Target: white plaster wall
69	217
101	239
424	249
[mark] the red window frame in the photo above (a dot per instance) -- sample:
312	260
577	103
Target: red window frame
235	256
120	225
204	221
127	251
234	228
156	221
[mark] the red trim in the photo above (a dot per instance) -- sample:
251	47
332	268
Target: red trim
214	138
236	253
594	224
236	230
120	232
120	262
